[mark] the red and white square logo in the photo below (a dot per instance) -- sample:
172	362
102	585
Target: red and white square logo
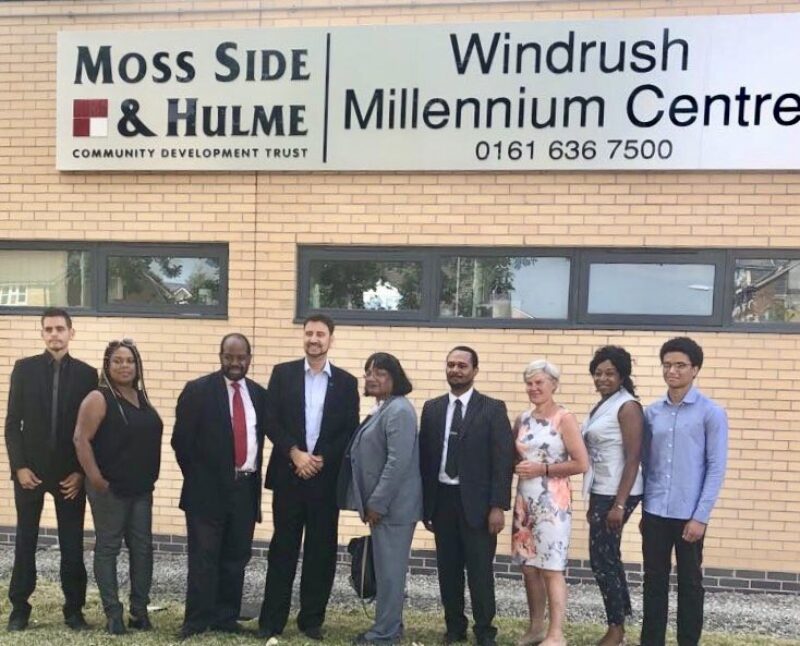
90	118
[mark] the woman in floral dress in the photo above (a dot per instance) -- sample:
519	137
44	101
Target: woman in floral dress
550	449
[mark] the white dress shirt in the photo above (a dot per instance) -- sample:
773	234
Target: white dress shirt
316	389
250	417
451	407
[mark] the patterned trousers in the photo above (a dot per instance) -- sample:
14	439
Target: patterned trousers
606	559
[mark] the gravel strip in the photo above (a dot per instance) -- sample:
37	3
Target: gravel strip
766	614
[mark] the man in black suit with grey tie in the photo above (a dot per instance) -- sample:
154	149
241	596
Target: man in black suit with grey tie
466	461
46	391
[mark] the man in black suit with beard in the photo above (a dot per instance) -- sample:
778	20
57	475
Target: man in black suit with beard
312	411
46	392
218	440
466	461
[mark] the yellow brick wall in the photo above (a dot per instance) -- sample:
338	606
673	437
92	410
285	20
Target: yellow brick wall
264	216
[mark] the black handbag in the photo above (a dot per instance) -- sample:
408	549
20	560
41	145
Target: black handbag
362	568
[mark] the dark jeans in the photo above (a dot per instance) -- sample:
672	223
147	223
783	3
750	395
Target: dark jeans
659	536
293	515
117	518
69	514
606	558
460	546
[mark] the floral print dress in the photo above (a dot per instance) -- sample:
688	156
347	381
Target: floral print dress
543	509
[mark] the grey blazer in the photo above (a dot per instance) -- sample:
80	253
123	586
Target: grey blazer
380	470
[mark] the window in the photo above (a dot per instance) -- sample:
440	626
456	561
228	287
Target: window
766	291
14	295
376	285
553	287
151	280
503	287
653	288
354	284
45	278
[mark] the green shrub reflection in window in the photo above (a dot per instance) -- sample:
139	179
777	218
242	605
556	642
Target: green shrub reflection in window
154	280
504	287
365	285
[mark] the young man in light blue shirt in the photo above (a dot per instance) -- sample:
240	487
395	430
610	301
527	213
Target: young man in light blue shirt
683	461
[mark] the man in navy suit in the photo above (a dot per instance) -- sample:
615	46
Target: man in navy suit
218	439
46	391
466	461
312	411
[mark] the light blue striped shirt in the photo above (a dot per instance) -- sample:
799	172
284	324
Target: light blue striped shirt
684	455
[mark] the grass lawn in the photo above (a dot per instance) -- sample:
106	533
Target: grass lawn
423	628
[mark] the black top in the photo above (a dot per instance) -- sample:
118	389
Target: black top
128	453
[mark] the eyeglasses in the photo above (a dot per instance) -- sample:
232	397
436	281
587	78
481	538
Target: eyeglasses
680	366
376	373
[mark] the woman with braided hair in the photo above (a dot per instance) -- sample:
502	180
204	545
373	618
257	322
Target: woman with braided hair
118	442
613	435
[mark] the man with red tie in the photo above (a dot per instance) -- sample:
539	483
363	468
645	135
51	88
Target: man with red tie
218	440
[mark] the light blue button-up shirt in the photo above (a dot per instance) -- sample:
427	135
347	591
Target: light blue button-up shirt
316	388
684	455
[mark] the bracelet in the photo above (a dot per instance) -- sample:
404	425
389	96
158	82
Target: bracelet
618	506
546	470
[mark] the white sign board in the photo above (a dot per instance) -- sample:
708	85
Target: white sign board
652	94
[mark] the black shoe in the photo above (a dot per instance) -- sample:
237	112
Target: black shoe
230	627
314	632
140	622
265	632
76	621
187	632
115	626
486	641
17	621
454	638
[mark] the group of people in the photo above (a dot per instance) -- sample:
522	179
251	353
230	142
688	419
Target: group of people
73	437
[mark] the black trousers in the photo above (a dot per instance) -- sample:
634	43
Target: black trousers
659	537
69	515
219	550
458	546
293	514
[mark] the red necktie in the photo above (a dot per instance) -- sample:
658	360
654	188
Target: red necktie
239	427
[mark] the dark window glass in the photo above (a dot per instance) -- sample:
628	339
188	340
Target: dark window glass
39	278
651	288
162	280
504	287
766	291
393	286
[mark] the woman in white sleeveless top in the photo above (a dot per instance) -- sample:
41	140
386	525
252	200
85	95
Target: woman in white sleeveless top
613	435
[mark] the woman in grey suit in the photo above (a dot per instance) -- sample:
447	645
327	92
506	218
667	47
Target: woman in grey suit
380	480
